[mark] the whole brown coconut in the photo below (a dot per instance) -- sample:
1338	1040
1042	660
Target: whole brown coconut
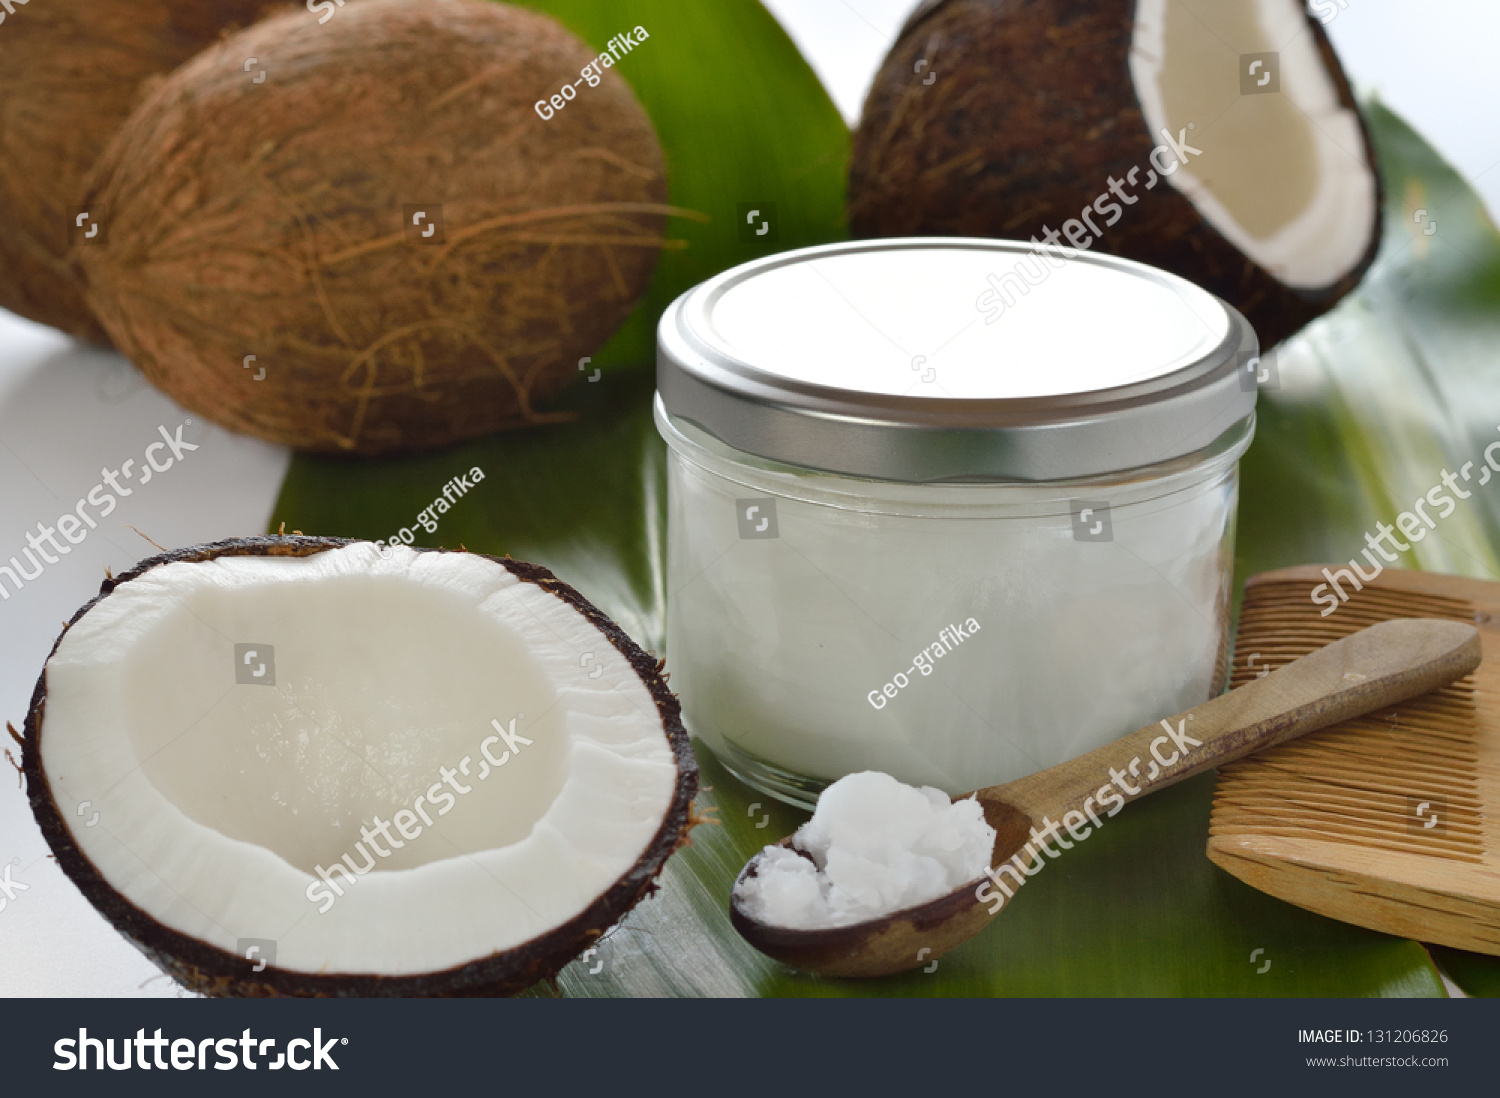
69	72
997	118
383	245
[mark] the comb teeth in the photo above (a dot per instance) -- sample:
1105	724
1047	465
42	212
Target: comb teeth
1362	781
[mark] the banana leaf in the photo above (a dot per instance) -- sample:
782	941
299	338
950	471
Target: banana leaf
1369	405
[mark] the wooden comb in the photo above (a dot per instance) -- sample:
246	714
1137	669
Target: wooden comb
1391	820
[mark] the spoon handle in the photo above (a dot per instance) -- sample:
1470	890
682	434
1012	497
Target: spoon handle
1374	668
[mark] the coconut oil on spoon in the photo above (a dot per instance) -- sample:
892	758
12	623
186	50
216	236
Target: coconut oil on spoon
845	917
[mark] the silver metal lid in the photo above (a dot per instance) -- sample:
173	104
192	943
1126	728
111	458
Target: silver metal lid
928	359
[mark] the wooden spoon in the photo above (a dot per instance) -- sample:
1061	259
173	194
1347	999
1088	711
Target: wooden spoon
1372	669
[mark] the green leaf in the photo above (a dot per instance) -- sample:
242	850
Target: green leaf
1373	401
1475	973
1377	399
1395	385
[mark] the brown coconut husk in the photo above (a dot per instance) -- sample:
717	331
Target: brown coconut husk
268	220
1032	110
69	73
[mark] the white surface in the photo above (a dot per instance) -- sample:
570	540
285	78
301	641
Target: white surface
1434	66
866	321
65	411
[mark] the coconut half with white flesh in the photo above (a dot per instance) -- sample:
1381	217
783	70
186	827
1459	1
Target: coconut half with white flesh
1217	139
1290	185
309	766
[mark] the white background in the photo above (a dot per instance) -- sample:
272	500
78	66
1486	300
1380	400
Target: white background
66	412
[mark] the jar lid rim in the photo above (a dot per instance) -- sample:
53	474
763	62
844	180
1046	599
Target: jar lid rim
754	406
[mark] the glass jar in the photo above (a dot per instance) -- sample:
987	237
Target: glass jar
955	510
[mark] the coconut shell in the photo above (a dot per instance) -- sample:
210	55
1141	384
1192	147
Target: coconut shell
69	72
275	220
209	970
1033	108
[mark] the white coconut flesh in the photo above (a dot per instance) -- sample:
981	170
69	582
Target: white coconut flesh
1282	175
217	801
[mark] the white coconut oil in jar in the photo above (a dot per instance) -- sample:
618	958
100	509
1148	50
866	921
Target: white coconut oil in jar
954	510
